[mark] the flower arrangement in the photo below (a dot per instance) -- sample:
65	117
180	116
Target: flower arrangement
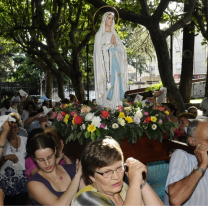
86	123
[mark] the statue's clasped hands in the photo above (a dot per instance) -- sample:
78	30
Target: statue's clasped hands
113	40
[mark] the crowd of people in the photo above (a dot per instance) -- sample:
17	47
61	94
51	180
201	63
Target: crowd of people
35	171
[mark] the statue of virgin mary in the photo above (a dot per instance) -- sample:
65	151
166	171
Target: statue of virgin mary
110	64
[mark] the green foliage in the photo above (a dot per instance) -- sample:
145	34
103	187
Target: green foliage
154	87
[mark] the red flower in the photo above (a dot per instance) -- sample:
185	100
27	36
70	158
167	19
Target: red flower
63	105
161	108
130	103
105	114
63	113
147	120
73	114
78	120
120	108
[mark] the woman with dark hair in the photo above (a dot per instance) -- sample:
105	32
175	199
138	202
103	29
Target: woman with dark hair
172	111
53	184
30	164
12	162
103	171
74	99
29	108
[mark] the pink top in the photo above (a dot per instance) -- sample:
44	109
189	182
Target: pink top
30	165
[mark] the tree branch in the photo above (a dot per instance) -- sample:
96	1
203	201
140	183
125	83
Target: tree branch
181	23
126	15
145	8
159	11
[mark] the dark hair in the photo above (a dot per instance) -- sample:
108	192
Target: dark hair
73	98
65	101
30	136
32	114
41	141
30	103
186	115
97	154
171	107
52	134
39	110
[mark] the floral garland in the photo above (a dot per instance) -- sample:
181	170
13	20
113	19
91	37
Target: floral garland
86	123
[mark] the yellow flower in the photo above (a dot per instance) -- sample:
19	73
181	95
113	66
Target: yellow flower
67	105
91	128
66	118
121	115
73	120
129	119
153	119
167	112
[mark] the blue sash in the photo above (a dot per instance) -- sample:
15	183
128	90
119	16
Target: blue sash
115	68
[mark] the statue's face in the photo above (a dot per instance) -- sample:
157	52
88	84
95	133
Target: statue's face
109	20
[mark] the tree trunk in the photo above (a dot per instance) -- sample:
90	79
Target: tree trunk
49	83
206	85
159	41
187	62
60	82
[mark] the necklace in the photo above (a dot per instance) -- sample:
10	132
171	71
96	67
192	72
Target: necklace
15	145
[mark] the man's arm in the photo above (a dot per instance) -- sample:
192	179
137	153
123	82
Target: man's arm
180	191
28	121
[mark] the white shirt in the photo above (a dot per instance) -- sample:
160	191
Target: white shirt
204	105
181	165
16	99
10	110
25	115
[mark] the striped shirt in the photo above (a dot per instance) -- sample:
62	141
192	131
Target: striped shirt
181	165
89	196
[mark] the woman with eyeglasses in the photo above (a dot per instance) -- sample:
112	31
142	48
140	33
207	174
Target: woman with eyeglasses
103	170
12	173
53	184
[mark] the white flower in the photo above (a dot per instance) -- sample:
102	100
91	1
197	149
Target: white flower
136	119
83	126
127	108
115	126
154	126
138	114
89	116
121	121
96	121
106	127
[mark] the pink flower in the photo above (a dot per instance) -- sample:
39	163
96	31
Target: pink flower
54	115
59	117
120	108
146	113
85	109
73	114
160	121
102	125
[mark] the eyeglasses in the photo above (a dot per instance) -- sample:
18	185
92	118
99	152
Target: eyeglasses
42	160
110	173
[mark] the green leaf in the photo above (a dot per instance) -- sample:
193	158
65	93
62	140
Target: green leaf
93	136
74	126
71	137
87	134
98	132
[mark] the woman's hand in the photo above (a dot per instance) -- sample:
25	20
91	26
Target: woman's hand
24	98
11	157
135	170
113	39
6	127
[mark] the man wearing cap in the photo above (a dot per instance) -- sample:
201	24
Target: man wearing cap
204	105
188	176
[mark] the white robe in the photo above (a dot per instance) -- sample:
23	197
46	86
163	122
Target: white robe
102	66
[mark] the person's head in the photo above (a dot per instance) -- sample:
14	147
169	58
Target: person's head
14	129
197	132
103	156
73	98
16	93
183	120
193	110
30	106
7	103
65	101
109	20
42	119
45	103
35	100
170	108
43	151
